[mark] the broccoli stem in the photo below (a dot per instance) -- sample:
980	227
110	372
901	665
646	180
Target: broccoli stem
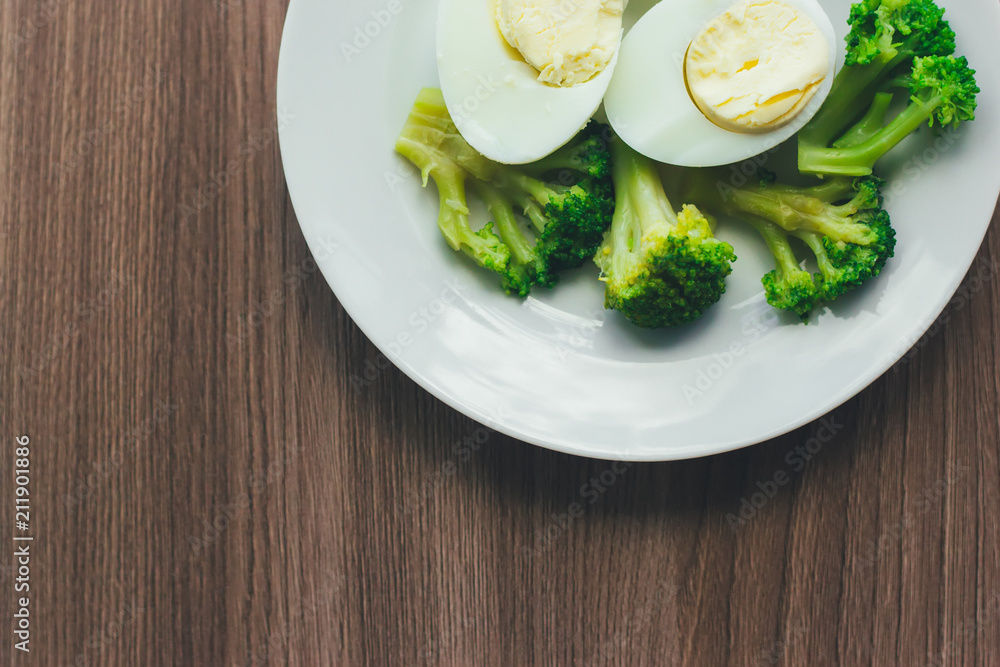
453	217
815	243
431	126
530	193
533	212
506	223
860	159
793	211
566	158
852	88
430	109
777	241
829	191
450	180
538	191
645	189
869	125
523	269
660	268
570	219
625	235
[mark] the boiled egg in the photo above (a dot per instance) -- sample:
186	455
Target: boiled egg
701	83
523	77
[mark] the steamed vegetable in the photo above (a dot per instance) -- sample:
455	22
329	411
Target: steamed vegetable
569	215
841	222
661	268
892	45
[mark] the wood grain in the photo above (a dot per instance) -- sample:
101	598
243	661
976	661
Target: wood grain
208	488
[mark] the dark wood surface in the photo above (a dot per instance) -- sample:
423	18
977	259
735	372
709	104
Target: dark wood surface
208	488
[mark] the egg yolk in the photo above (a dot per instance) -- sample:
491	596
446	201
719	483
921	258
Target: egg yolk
757	66
568	41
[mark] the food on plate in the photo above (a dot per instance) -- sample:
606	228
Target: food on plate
569	217
567	42
518	106
892	45
758	70
841	221
885	36
661	268
941	89
756	66
698	83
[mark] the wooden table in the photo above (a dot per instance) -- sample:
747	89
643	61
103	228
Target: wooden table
209	488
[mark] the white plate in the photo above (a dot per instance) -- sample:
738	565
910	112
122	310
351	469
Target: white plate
556	370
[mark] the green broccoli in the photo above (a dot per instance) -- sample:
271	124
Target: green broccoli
942	89
840	220
788	286
569	217
660	268
885	36
886	33
587	154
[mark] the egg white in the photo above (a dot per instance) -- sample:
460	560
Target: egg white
495	97
648	104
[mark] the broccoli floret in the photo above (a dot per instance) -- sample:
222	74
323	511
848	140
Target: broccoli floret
587	154
660	268
524	268
840	220
887	32
814	209
942	90
569	221
884	35
844	266
484	246
569	217
789	286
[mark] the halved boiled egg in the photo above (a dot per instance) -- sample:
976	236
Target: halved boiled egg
523	77
701	83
